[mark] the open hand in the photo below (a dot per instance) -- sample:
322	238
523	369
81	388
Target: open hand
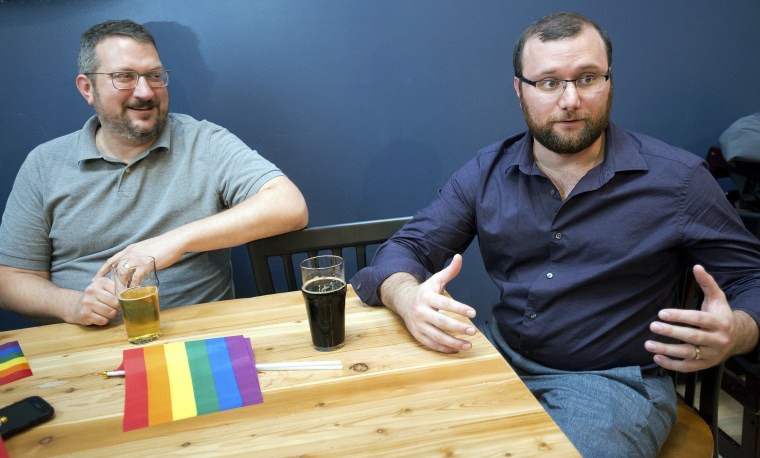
420	306
708	336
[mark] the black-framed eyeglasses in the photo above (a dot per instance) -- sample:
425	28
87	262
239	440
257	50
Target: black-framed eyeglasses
586	84
128	80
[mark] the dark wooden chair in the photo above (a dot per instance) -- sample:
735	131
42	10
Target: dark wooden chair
741	381
696	433
352	241
751	221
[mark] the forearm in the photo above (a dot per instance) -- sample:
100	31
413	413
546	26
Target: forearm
396	288
277	208
35	296
747	332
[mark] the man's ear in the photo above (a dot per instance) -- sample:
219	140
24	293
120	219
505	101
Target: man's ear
517	90
86	88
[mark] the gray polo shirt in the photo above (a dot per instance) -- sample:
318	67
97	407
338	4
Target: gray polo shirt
71	208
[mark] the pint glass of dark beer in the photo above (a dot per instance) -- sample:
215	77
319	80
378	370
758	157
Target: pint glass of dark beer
324	292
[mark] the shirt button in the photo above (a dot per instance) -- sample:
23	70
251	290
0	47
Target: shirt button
550	275
558	235
533	315
127	170
553	192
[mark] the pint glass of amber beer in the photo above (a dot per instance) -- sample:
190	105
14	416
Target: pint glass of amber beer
324	291
136	285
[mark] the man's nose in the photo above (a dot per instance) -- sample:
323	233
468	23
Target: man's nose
569	97
143	89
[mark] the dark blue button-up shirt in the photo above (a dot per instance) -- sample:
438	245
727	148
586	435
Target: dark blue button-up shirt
581	279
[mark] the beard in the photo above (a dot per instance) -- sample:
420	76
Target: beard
553	141
121	124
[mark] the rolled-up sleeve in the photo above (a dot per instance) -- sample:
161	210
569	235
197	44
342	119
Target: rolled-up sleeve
715	237
435	234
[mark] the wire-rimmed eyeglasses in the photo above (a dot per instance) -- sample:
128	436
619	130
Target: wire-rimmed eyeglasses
586	84
128	80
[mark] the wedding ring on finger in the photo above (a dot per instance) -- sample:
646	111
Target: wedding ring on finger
697	353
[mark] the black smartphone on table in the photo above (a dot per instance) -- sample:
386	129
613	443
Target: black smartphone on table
24	414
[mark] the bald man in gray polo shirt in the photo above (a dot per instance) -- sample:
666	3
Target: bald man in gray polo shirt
135	180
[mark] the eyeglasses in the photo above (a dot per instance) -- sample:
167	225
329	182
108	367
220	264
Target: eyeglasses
128	80
586	84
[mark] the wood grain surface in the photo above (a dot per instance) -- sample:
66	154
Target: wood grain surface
393	396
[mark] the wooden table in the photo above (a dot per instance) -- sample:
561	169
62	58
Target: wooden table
393	397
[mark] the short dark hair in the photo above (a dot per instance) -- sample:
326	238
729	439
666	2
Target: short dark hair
88	60
556	27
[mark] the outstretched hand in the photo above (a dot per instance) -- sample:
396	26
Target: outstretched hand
420	306
709	336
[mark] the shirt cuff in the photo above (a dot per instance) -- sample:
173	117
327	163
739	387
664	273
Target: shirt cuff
367	281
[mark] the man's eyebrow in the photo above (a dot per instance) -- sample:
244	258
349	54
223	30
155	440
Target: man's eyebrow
130	69
554	71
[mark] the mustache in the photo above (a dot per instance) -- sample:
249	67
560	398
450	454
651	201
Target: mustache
142	104
573	116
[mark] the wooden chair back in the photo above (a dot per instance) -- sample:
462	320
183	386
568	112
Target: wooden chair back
282	253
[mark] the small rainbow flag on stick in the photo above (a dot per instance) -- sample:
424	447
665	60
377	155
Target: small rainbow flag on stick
184	379
13	363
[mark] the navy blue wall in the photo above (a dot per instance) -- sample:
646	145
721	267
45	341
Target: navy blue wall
370	105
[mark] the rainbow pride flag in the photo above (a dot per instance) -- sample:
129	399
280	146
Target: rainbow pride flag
185	379
3	450
13	363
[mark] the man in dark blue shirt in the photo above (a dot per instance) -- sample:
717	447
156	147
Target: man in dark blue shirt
585	228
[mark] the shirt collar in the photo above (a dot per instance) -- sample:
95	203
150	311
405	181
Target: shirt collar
89	151
622	152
